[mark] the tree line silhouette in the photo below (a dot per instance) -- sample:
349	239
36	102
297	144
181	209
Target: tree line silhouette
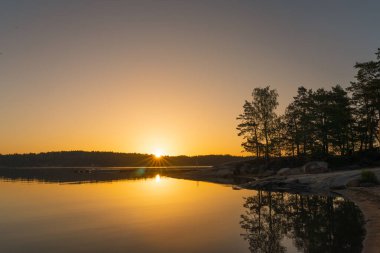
318	122
88	159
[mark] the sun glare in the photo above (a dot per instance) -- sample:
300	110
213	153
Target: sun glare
158	178
158	154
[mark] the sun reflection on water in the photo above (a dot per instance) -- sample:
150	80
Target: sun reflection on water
158	178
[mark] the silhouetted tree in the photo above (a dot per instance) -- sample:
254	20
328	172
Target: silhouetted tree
248	128
340	122
317	123
291	137
366	102
299	120
258	121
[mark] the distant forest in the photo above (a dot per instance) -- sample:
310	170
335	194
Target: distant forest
94	159
317	123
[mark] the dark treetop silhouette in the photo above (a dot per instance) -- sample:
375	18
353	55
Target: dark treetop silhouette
86	159
318	122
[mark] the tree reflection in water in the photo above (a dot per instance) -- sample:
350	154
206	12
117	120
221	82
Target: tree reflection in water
314	223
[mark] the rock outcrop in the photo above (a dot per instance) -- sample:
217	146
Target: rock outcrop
315	167
290	171
266	169
322	183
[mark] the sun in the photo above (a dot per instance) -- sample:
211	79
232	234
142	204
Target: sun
158	154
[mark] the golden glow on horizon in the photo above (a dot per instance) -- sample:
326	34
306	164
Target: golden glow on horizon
158	154
159	83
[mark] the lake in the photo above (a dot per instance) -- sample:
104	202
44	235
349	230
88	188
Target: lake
162	214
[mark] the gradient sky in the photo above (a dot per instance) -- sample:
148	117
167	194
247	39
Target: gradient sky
137	76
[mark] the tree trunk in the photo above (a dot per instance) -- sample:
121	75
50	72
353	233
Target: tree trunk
257	143
266	142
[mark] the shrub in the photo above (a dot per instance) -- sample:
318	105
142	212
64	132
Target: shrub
369	177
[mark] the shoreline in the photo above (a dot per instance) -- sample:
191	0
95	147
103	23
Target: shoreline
368	201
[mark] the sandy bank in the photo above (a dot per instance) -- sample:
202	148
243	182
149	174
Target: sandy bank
368	200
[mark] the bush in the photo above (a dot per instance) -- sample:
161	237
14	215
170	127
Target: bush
369	177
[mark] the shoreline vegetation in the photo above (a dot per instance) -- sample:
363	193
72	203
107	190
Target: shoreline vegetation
317	123
338	127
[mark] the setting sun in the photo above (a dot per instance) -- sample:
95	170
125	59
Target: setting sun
158	154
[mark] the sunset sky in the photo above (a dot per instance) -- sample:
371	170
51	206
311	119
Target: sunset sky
141	76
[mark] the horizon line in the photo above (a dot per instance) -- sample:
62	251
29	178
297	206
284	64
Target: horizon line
117	152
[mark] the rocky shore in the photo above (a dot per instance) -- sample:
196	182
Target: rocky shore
317	181
320	183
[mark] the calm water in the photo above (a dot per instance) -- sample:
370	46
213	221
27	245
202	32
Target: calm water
162	214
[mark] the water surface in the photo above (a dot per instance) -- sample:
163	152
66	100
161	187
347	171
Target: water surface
162	214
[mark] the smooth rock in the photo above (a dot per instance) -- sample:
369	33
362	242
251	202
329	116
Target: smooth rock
315	167
289	171
283	172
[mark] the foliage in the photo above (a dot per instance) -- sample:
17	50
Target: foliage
317	123
369	177
259	122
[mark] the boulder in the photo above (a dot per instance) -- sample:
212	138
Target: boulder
289	171
296	171
283	172
315	167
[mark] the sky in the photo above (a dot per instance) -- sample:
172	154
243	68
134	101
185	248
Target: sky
169	76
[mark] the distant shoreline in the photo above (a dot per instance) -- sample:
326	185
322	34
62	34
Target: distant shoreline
111	159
